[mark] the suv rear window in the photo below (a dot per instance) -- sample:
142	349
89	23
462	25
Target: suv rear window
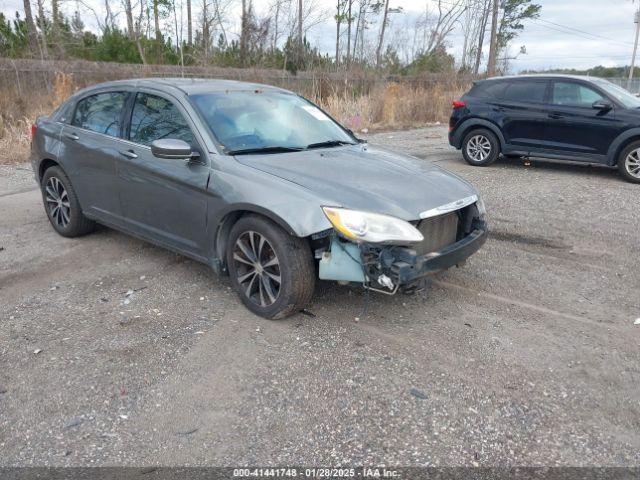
490	89
526	91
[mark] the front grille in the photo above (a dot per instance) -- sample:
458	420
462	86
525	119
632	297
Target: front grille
438	232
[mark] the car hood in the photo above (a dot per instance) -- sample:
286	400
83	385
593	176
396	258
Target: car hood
366	178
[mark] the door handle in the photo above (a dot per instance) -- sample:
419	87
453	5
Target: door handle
498	109
556	116
71	136
128	153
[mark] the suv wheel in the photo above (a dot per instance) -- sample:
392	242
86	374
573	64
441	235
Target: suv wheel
629	162
480	147
271	271
62	205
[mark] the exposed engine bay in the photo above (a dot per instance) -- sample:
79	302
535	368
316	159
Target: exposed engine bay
448	240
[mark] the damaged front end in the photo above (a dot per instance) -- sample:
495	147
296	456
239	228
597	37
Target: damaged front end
441	239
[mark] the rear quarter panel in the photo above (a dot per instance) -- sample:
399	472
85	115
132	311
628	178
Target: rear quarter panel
462	119
46	143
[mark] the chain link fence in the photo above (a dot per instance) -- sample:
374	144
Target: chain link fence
633	86
35	75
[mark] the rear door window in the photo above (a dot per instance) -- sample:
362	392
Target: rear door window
574	94
490	89
533	91
155	117
100	113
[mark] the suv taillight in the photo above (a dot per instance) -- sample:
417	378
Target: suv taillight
458	104
34	127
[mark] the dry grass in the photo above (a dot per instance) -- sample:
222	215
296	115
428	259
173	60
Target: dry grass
381	105
18	111
393	106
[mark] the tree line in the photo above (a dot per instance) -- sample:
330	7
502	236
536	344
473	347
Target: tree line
369	34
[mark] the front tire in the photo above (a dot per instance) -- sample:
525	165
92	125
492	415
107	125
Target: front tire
62	205
629	162
271	271
480	147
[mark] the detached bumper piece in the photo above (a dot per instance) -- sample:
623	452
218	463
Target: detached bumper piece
409	267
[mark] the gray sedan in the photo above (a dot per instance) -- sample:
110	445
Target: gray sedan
255	181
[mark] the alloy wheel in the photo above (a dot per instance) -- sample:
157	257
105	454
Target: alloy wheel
58	202
479	148
257	268
632	163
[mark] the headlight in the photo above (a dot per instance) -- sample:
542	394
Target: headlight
482	210
372	227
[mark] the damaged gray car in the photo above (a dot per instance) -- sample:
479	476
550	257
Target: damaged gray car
255	181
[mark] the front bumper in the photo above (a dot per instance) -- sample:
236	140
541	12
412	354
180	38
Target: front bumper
409	267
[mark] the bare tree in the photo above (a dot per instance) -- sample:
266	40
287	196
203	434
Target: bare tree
485	7
244	30
444	23
156	21
349	23
43	32
276	7
189	24
493	47
360	27
385	13
138	30
128	11
300	45
473	25
205	40
31	28
339	18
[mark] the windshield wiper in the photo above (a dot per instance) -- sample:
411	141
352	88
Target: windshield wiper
329	143
273	149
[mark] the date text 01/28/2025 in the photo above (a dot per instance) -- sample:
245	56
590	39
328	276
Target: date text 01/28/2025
363	472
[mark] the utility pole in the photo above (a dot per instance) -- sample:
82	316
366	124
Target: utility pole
635	49
493	47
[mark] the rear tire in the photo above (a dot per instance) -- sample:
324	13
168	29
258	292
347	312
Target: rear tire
480	147
62	206
629	162
272	272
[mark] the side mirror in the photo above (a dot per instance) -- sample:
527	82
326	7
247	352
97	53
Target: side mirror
602	105
171	148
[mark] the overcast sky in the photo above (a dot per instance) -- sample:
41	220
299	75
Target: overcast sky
569	33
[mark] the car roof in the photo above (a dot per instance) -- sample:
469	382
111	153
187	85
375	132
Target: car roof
189	86
542	76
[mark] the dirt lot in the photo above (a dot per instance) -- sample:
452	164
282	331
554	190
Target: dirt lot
526	356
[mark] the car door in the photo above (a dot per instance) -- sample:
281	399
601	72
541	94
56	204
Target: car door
522	111
575	126
89	151
162	199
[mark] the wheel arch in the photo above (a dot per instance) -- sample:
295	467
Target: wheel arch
476	123
620	143
44	165
228	218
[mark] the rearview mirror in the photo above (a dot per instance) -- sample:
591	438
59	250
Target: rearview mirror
171	148
602	105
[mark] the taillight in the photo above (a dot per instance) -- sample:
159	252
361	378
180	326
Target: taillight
34	127
458	104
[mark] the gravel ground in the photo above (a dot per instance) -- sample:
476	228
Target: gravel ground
528	355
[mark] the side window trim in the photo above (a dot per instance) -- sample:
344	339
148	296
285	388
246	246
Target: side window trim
169	98
545	99
580	84
69	123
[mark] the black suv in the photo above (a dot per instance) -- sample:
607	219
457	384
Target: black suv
574	118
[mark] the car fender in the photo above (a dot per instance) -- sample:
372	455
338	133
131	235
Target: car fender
470	123
618	143
237	189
